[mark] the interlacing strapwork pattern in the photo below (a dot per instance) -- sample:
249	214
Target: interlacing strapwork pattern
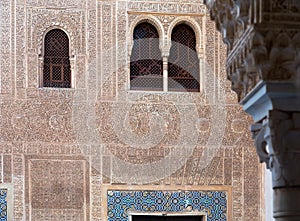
183	67
213	203
57	70
145	62
3	204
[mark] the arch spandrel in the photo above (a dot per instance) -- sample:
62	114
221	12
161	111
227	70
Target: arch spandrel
49	29
145	18
194	25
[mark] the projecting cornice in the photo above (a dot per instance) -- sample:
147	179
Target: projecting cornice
263	40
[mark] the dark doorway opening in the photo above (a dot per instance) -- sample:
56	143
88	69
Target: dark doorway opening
167	218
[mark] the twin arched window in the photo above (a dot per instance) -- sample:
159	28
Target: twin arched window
146	67
57	69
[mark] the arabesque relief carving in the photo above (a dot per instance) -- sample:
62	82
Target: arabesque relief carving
257	48
55	174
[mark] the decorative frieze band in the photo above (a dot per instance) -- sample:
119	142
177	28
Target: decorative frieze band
161	7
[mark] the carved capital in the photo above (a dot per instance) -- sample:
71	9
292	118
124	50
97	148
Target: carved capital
276	141
165	48
267	56
263	39
232	18
260	134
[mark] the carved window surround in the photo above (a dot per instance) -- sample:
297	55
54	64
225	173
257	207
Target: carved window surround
165	42
40	22
71	57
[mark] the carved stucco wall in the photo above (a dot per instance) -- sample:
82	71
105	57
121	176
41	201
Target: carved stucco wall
59	147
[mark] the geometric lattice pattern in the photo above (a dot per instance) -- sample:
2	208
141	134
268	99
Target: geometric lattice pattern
57	69
3	205
183	66
146	70
213	203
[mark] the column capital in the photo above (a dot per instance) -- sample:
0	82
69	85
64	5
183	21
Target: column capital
275	108
276	141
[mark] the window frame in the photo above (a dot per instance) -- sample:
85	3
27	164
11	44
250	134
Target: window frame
42	58
149	89
197	60
165	47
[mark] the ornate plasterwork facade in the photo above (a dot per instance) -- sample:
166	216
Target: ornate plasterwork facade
61	149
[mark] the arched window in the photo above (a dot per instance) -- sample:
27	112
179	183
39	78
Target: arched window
183	66
57	69
146	72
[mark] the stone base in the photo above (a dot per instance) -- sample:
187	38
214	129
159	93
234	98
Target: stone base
287	204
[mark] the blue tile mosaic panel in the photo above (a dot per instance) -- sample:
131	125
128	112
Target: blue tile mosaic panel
3	204
214	203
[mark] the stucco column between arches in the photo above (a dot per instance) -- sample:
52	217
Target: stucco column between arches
263	39
165	52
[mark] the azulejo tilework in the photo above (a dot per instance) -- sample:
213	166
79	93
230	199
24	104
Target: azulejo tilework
3	204
214	203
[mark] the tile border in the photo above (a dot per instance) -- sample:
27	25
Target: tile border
9	198
106	188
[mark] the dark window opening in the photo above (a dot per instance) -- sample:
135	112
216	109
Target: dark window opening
183	65
57	69
146	67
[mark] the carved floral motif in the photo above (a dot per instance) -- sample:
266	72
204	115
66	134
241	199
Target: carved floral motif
44	19
258	48
56	3
38	121
167	7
